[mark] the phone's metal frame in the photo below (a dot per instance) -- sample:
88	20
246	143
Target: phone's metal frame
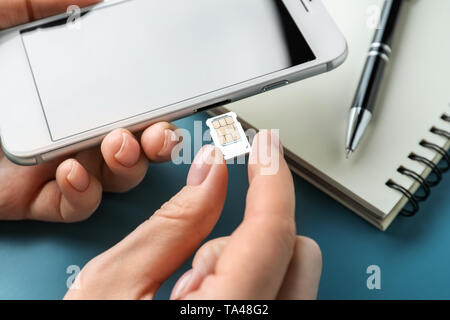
25	137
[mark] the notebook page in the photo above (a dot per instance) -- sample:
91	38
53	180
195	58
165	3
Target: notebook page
313	114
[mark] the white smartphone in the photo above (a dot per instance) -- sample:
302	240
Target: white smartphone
66	81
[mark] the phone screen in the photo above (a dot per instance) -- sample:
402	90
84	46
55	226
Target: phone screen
136	56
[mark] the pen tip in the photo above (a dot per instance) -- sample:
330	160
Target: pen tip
349	153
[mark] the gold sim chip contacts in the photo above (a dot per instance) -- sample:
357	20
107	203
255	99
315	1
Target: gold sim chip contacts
228	135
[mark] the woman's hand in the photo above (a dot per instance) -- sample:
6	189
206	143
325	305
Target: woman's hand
262	259
70	190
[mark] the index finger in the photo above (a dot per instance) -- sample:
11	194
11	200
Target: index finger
254	262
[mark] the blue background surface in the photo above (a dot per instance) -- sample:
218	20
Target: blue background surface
413	254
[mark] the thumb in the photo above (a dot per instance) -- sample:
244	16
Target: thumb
258	253
138	265
15	12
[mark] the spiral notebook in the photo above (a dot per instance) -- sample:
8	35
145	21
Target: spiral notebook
397	163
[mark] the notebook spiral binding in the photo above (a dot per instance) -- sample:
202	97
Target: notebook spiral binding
425	184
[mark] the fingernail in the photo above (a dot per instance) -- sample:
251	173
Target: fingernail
78	177
201	166
126	156
182	285
276	142
170	138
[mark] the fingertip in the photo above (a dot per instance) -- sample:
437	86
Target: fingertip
81	192
182	286
171	139
120	148
267	155
218	179
159	140
303	275
312	251
208	168
271	192
73	175
125	165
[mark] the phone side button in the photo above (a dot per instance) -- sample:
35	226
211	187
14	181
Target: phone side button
275	85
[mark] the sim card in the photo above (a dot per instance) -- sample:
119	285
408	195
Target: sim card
228	135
